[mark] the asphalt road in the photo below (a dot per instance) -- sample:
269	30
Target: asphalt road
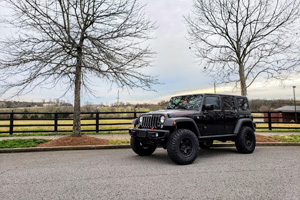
219	173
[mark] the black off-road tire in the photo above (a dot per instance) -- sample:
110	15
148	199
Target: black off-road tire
245	141
206	144
141	148
183	146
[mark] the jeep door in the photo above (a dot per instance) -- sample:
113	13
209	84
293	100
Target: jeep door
230	113
213	119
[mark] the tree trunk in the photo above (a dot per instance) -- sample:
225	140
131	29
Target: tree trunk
76	120
242	80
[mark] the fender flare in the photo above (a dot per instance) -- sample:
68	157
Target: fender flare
170	122
240	123
134	122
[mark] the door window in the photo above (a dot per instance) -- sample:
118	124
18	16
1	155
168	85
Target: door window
215	101
243	104
228	103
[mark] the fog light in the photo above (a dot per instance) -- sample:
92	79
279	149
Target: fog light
156	134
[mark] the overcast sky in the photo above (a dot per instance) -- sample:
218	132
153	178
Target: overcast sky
173	64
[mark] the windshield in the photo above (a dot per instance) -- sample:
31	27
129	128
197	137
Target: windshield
188	102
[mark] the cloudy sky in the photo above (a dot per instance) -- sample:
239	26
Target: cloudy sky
174	65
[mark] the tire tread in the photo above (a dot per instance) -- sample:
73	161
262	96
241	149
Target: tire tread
172	146
240	141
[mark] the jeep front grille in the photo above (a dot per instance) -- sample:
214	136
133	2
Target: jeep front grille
150	121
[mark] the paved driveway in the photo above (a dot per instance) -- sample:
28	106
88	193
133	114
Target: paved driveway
219	173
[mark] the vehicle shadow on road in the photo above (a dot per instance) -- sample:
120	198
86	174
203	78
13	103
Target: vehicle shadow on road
160	156
218	150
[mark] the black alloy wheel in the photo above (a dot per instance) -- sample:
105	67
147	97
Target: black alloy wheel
245	141
206	144
186	146
183	146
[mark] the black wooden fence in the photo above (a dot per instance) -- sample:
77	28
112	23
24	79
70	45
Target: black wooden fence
8	121
276	120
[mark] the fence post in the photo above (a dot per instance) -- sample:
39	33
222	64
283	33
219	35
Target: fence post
55	121
97	122
134	114
11	124
270	121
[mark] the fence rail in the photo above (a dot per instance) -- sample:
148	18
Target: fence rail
275	120
94	122
20	122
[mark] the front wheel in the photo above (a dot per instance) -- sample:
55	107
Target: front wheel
141	148
183	146
245	141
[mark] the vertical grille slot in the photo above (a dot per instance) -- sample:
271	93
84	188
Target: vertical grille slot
150	121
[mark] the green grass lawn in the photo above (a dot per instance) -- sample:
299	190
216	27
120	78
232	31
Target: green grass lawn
21	143
287	138
65	133
277	130
118	141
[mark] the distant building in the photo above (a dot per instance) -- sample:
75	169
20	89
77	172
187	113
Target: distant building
49	105
285	114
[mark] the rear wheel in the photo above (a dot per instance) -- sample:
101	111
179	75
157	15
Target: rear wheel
183	146
245	141
206	144
141	148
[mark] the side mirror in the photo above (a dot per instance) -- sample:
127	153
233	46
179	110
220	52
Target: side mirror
208	107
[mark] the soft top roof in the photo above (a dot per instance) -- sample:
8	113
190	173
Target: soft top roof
210	94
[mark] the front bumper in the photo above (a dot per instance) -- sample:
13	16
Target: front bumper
155	134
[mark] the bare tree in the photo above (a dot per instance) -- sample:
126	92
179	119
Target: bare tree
238	41
74	41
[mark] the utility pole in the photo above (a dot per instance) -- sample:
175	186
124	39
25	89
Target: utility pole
215	87
296	120
118	98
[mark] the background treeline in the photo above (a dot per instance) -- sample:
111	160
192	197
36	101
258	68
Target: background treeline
257	105
25	104
260	105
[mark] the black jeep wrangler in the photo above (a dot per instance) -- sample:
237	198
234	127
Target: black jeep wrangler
191	121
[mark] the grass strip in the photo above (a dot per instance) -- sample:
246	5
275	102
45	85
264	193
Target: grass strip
277	130
118	141
21	143
65	133
286	138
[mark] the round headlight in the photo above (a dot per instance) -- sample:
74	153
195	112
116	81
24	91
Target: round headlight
162	119
141	119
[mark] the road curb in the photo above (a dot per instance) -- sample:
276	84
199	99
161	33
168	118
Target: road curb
98	147
63	148
260	144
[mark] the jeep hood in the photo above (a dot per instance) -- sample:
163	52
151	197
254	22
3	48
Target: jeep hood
173	113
